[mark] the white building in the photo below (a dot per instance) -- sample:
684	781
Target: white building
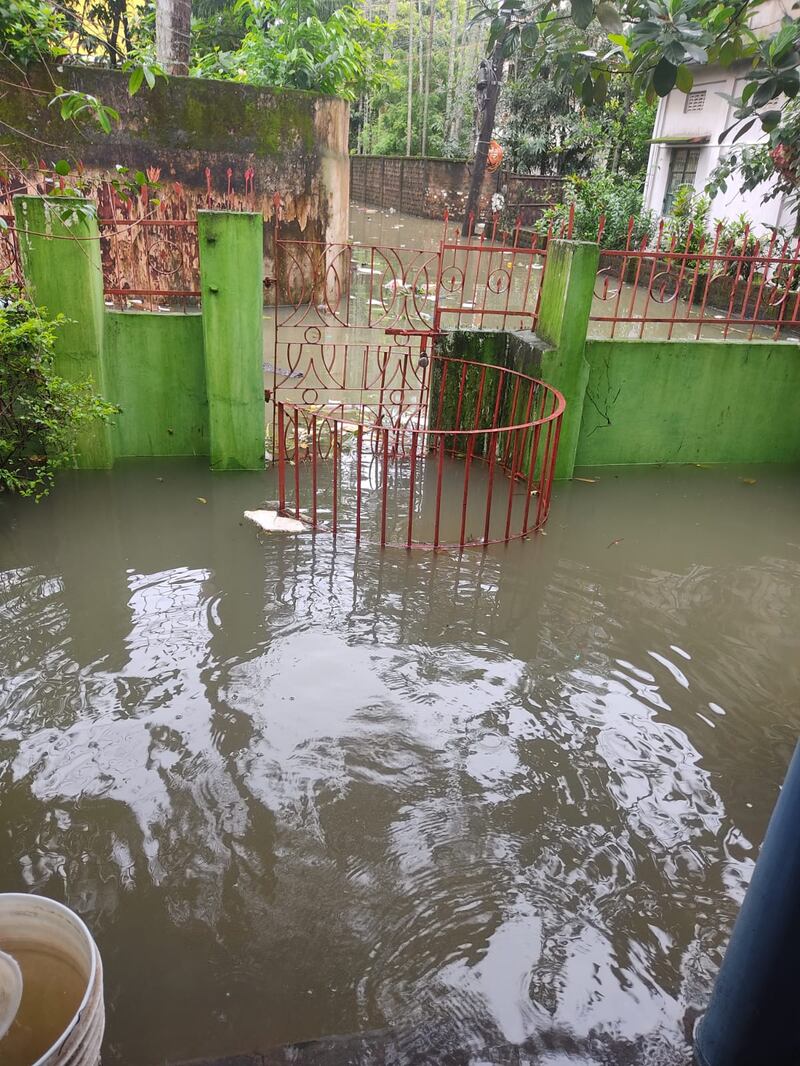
686	140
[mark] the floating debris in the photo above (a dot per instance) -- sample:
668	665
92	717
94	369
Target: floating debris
272	522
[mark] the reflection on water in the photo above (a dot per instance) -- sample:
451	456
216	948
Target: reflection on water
498	802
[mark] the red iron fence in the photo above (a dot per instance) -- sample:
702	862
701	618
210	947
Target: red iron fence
467	459
743	287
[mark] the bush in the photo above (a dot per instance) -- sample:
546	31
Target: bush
40	413
690	208
602	194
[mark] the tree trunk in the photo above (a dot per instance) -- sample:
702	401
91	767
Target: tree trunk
451	74
427	96
420	50
173	26
627	100
484	137
410	96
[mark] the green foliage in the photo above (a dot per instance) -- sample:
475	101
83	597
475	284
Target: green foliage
618	200
29	30
288	43
41	414
547	131
687	223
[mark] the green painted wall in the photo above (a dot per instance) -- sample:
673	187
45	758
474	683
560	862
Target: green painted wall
566	303
690	401
155	373
231	255
60	249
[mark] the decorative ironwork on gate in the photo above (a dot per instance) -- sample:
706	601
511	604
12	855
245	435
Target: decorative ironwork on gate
377	433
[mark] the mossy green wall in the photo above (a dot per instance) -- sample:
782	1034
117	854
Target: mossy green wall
155	374
690	401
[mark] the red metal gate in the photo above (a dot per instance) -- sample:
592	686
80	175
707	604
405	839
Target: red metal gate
376	432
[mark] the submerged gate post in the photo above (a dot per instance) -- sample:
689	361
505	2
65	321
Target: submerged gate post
566	303
59	242
231	272
752	1016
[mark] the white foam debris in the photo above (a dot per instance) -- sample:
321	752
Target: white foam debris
272	522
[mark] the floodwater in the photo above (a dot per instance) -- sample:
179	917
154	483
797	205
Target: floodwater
493	808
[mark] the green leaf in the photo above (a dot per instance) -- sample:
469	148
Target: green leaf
664	77
149	76
62	168
770	119
609	18
104	120
684	79
135	81
587	90
496	29
140	177
530	35
582	12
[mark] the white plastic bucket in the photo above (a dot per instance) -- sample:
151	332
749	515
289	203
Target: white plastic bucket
36	929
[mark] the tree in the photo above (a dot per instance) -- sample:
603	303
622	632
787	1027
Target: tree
295	44
173	35
649	44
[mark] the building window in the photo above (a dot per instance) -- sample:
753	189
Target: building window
682	171
695	101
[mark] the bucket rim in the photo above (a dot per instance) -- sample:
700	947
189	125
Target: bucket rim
85	931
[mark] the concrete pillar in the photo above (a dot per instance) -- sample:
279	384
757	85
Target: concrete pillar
566	303
59	243
231	271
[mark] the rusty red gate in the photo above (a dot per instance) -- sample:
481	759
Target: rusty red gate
380	433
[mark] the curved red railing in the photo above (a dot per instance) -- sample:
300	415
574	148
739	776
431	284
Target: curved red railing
469	462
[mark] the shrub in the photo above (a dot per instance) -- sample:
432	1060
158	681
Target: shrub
689	209
602	194
40	413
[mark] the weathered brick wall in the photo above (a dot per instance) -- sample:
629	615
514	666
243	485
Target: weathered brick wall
428	187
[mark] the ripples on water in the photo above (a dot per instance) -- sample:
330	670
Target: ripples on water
502	807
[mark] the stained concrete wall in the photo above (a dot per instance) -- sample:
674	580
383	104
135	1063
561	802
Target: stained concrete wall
295	143
690	401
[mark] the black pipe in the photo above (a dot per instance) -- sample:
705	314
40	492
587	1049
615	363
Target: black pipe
754	1013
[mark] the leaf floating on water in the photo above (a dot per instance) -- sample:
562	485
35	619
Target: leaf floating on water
748	480
587	480
202	499
619	540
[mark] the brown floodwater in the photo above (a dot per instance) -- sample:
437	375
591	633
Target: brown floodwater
493	808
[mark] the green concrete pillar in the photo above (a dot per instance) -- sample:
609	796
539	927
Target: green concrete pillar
566	303
59	243
231	271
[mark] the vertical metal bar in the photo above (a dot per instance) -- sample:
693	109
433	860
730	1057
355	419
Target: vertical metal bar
439	472
737	275
412	486
492	453
281	460
709	277
296	463
767	259
385	486
458	406
465	496
314	471
359	447
514	434
335	508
